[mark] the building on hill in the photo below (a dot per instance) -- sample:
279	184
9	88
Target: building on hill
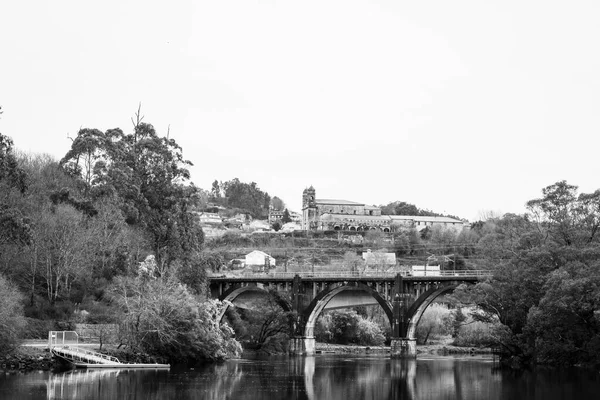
259	260
344	215
209	218
275	215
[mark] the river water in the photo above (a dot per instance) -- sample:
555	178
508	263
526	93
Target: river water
331	377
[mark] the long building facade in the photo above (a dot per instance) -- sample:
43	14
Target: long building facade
344	215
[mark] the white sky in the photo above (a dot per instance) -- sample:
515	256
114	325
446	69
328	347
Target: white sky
455	106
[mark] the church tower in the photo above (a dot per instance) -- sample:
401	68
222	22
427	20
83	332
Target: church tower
309	207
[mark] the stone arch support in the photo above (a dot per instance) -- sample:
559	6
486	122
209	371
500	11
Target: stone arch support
317	306
229	296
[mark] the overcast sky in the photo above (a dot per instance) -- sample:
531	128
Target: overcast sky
455	106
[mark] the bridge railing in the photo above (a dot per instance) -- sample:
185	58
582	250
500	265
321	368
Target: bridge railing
350	275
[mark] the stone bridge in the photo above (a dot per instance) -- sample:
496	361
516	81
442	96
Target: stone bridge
403	298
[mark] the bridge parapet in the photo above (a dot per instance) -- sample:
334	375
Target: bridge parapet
345	275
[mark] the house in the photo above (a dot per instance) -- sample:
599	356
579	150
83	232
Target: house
209	218
275	215
259	258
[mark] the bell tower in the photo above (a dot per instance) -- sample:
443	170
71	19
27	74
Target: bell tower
309	207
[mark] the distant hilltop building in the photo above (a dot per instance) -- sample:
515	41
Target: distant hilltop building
329	214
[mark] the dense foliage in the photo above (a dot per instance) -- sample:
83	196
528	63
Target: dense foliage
74	234
545	292
12	321
348	327
247	197
161	317
264	326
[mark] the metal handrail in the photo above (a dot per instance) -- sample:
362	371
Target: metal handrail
79	354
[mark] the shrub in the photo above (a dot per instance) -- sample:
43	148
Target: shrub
12	320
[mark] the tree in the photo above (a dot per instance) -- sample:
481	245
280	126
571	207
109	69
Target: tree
569	217
215	190
12	321
277	203
565	323
353	262
148	174
276	226
286	217
432	323
14	226
266	324
247	197
160	317
63	243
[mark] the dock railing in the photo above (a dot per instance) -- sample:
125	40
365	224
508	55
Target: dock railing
62	338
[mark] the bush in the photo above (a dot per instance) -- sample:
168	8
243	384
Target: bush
348	327
12	319
163	319
476	334
38	328
433	323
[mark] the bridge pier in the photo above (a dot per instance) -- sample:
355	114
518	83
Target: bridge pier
403	348
302	346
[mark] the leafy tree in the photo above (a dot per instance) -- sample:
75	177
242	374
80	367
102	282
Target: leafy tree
545	285
347	326
277	203
432	323
12	321
14	226
215	190
247	197
570	219
265	325
276	226
566	322
148	174
286	217
353	262
160	317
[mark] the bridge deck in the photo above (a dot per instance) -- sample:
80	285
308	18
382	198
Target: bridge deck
338	276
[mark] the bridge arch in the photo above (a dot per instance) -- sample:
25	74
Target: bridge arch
229	296
416	310
319	303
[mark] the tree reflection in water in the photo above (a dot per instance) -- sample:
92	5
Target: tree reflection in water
311	378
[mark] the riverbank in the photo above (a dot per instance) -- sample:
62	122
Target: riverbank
27	358
443	349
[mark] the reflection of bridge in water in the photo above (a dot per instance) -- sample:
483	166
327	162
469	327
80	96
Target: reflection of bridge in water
403	298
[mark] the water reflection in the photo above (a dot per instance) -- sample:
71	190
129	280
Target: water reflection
311	378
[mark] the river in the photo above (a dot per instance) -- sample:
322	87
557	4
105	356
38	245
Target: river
331	377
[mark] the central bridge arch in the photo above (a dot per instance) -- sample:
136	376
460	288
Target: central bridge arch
319	303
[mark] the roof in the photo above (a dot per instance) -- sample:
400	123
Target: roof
262	253
356	217
340	202
420	218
